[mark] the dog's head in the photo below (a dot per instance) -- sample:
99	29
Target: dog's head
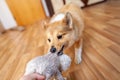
60	32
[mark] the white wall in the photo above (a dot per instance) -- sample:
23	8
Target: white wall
77	2
45	8
57	4
6	16
94	1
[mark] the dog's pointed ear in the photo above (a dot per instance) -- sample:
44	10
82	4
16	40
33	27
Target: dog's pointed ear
44	24
68	20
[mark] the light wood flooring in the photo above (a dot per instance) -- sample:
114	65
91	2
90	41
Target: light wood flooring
101	50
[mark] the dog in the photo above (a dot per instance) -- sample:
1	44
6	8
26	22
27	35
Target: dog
65	28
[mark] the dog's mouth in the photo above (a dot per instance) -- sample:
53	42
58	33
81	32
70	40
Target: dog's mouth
61	51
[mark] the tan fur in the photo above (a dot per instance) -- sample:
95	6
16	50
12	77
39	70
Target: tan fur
71	34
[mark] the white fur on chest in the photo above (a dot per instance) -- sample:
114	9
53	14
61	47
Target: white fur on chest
58	17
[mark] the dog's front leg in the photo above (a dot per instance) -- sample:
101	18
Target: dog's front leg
78	51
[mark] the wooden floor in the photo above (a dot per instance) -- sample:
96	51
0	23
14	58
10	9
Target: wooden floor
101	51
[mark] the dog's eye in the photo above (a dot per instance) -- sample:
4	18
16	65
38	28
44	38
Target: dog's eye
49	40
59	37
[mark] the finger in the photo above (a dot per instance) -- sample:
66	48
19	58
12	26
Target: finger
38	76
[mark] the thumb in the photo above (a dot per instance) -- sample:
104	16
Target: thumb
38	76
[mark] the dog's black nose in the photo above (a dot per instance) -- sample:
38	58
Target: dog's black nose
53	49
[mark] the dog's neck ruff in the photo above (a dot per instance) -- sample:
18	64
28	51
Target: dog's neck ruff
57	17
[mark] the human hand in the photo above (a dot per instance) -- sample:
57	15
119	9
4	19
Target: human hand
33	76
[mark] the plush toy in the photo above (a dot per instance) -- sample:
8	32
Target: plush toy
49	65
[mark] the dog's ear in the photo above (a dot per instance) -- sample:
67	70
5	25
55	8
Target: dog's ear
44	24
68	20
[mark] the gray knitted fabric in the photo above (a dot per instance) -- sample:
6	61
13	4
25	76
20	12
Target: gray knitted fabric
49	65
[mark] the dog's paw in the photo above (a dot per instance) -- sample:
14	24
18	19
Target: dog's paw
65	78
78	60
